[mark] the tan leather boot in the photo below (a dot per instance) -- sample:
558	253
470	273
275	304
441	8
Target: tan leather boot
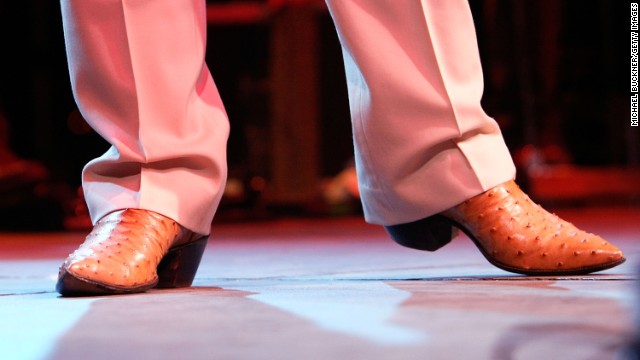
130	251
514	234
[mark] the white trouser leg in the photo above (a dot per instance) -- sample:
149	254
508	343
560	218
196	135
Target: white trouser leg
423	143
138	74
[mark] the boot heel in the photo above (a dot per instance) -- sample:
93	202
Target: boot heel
428	234
179	265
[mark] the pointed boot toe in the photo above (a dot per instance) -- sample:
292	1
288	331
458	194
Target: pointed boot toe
518	235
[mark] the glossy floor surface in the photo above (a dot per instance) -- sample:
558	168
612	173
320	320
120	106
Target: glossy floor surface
325	289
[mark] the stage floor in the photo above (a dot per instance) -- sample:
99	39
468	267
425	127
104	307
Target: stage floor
325	289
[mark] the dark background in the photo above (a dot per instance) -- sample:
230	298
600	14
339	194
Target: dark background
556	77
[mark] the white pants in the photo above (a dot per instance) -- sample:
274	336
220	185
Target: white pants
423	143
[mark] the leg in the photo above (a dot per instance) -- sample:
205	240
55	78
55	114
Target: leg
427	155
140	80
138	74
423	143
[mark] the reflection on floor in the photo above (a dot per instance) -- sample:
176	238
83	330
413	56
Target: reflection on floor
325	289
